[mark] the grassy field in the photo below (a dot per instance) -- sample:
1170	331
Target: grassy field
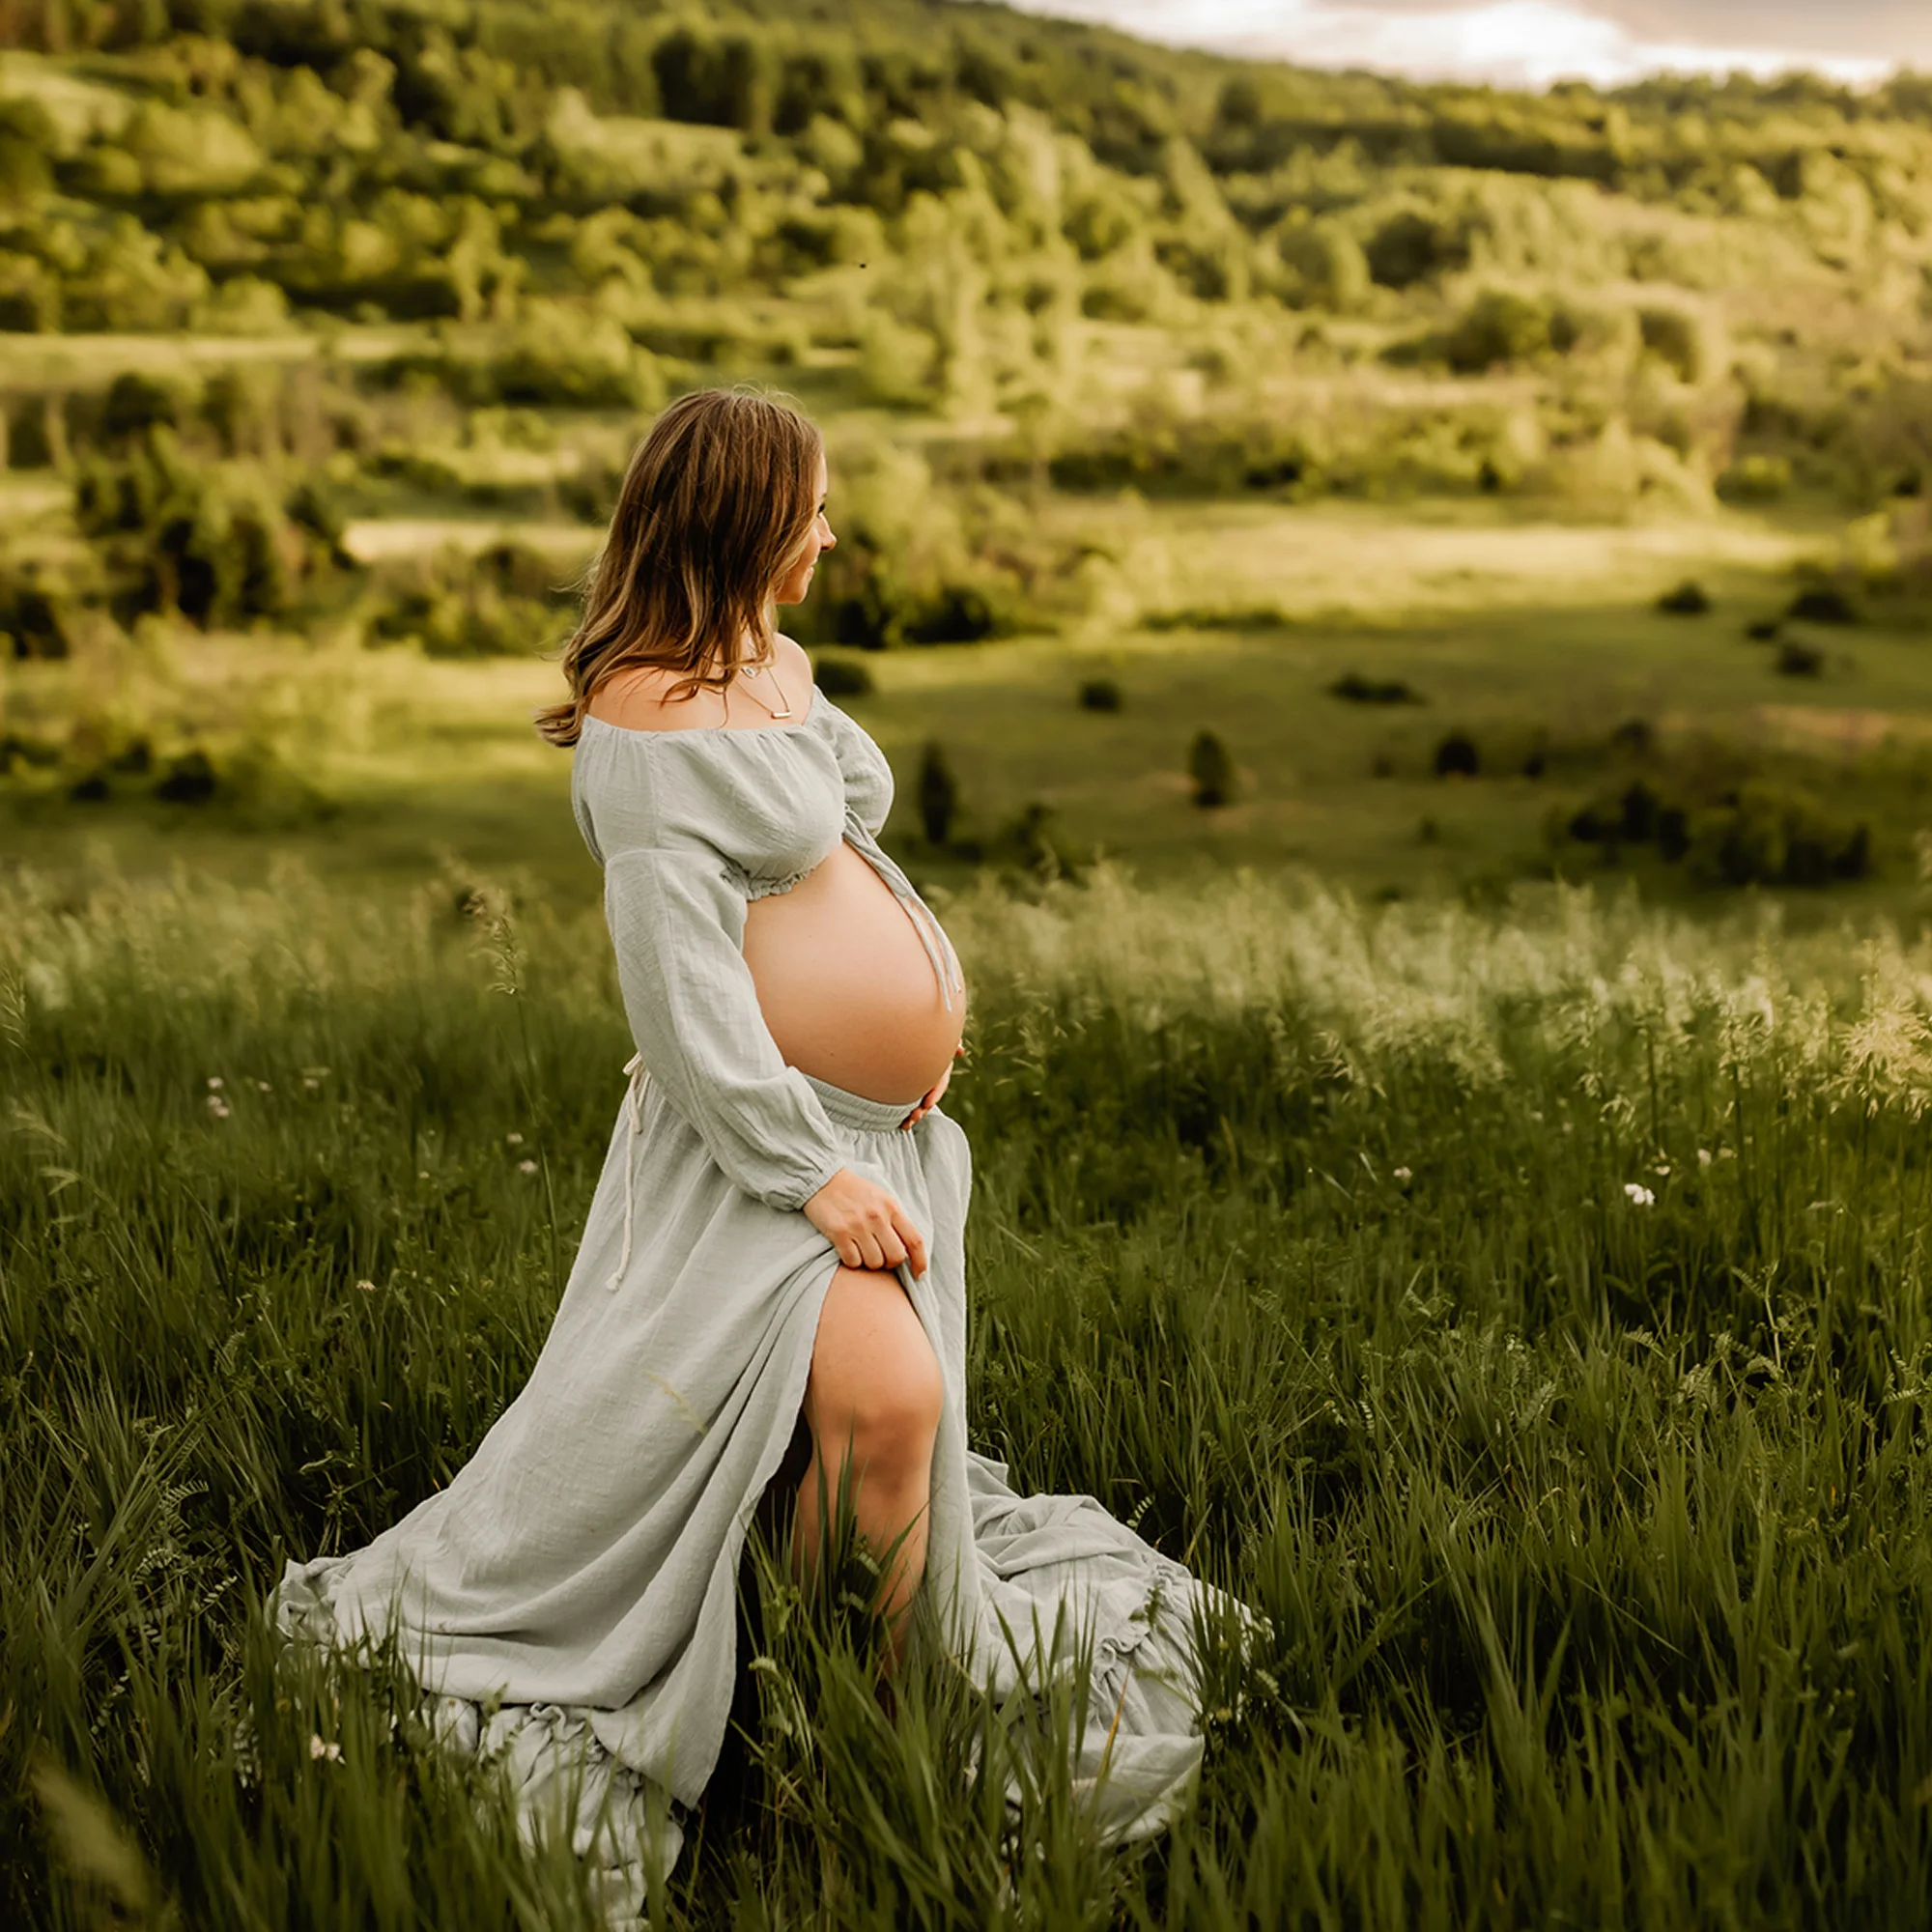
1529	1316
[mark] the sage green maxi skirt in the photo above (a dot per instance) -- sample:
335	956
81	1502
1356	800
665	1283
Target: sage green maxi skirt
569	1600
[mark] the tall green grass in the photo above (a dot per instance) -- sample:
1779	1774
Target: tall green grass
1527	1313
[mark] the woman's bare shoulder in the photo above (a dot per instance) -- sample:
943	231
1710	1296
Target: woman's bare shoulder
638	698
793	657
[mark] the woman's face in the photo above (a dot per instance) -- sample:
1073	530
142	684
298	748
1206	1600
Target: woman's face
796	581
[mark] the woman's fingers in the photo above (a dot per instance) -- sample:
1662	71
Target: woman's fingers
913	1242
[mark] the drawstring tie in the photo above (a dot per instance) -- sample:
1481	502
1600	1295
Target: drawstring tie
926	927
635	1074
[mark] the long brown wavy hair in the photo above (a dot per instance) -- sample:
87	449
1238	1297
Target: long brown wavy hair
717	507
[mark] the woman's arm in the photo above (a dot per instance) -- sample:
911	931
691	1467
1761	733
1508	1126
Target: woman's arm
678	925
678	922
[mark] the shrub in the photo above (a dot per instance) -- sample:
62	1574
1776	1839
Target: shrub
1769	835
1355	688
502	603
1411	247
557	358
17	747
1678	338
1498	326
189	779
1763	629
1030	839
1099	694
1321	266
1634	818
34	620
1456	756
210	541
841	676
956	613
938	794
1639	811
1689	599
135	403
1760	836
1757	478
1823	603
1211	768
1795	660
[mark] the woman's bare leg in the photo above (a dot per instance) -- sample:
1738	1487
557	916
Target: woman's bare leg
873	1395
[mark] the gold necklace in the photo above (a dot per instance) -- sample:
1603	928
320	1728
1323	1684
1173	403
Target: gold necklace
751	672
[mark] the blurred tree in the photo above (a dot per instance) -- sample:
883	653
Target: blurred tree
938	794
1211	769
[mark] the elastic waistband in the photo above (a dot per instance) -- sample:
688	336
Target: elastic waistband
854	1110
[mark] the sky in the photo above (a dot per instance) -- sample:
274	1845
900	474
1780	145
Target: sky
1532	42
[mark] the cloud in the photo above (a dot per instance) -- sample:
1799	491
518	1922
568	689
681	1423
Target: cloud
1531	42
1893	32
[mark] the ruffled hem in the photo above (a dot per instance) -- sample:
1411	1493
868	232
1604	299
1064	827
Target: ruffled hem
1137	1760
564	1778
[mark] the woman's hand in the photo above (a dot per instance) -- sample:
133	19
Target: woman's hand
930	1099
866	1224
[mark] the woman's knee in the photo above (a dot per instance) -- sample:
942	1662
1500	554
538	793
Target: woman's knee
876	1384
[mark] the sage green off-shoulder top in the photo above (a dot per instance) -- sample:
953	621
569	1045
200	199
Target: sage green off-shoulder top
690	826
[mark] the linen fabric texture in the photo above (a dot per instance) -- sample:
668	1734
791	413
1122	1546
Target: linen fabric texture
569	1599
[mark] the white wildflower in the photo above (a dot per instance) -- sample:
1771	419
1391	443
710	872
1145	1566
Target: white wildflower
526	1167
218	1107
214	1083
367	1287
1403	1173
310	1082
318	1749
1639	1195
263	1087
513	1140
1703	1156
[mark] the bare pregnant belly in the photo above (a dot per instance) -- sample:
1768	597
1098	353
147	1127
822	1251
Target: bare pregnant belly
845	985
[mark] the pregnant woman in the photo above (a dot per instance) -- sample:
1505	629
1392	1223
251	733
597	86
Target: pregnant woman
778	1234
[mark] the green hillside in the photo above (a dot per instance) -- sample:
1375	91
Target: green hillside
335	323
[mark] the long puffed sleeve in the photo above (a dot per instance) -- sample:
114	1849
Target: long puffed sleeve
677	922
868	776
